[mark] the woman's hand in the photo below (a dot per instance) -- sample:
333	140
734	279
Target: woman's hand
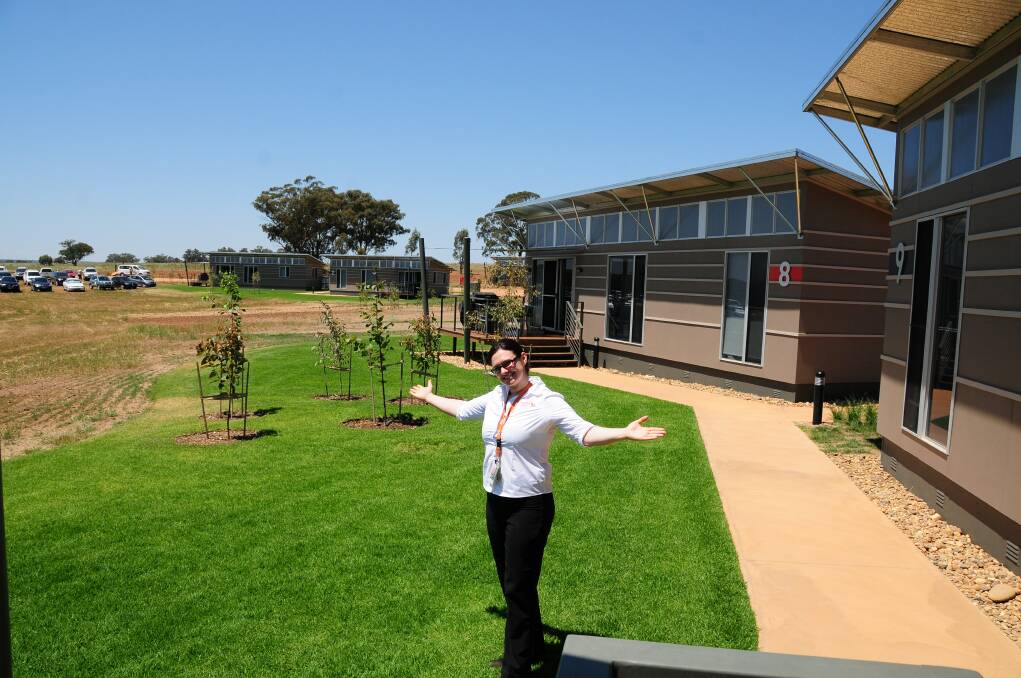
422	392
635	430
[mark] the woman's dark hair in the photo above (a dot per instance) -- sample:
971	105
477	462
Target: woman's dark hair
506	344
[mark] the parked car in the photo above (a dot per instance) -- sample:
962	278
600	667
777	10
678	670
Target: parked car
124	281
58	277
74	285
88	272
131	269
71	273
30	275
8	283
143	281
101	282
19	273
46	272
3	270
41	284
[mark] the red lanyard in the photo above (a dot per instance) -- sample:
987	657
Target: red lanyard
505	416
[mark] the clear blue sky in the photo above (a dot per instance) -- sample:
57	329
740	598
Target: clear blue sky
149	127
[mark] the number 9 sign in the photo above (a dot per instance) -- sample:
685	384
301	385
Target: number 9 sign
899	260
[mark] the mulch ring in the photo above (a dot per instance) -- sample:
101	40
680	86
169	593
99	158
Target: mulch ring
406	400
220	437
398	423
219	416
338	396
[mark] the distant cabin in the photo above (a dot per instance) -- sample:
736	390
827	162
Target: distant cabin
349	271
277	270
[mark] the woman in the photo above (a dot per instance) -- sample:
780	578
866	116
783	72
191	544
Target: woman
519	417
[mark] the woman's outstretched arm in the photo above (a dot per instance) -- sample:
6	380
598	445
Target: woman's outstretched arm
448	405
597	435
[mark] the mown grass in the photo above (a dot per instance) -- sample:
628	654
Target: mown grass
323	550
265	294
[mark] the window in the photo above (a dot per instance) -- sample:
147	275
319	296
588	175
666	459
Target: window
625	298
285	271
596	228
368	277
246	274
998	116
561	233
933	328
964	134
762	216
787	203
909	160
687	225
668	223
744	307
612	226
737	216
932	151
716	218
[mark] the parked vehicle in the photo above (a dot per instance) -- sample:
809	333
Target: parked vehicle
101	282
30	275
19	273
71	273
3	270
131	269
88	272
58	277
41	284
74	285
46	272
8	283
143	281
124	281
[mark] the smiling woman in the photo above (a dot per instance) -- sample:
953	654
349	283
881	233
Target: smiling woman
520	417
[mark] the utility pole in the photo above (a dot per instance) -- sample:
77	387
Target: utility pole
424	287
466	270
5	610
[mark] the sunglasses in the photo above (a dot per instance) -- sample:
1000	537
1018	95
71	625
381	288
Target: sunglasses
500	367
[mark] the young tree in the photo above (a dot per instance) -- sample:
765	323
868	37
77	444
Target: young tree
224	353
75	251
192	255
423	344
368	225
334	346
412	246
376	343
304	216
503	234
46	260
459	239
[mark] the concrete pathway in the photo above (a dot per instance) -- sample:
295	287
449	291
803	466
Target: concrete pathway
827	573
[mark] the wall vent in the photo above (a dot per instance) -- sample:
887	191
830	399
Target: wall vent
728	383
776	393
892	466
941	499
1013	553
685	375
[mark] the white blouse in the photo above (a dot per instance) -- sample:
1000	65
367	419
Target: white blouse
524	469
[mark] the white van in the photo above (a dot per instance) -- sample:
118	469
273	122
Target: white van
131	269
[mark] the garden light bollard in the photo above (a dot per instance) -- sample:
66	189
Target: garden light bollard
818	392
595	354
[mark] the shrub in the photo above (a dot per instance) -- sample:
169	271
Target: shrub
223	354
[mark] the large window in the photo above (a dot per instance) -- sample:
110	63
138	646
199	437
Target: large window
625	298
744	307
972	131
934	325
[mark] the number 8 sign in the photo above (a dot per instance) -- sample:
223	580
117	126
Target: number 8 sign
784	273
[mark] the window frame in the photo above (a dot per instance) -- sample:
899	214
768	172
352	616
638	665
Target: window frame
765	307
924	409
606	298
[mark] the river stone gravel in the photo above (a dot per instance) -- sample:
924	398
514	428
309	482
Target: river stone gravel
975	573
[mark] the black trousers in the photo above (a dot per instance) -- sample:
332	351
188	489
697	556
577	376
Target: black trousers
518	529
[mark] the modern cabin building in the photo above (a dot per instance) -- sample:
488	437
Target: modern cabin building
752	274
945	79
277	270
349	271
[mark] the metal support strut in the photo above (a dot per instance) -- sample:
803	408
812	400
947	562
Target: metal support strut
568	223
631	214
771	203
879	187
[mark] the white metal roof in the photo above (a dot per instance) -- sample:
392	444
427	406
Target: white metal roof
766	170
907	50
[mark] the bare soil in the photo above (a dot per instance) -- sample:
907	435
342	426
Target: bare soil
338	396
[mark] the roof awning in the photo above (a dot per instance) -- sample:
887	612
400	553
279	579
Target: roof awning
910	48
749	174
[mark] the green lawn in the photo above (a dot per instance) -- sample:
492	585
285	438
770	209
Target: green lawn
262	293
322	550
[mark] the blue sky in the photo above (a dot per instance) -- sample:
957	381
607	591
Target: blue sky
151	127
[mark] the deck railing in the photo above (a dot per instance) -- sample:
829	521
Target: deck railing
573	326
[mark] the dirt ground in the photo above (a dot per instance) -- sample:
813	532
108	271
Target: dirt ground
72	365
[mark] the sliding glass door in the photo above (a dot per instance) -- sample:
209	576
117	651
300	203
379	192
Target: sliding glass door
744	307
625	298
934	326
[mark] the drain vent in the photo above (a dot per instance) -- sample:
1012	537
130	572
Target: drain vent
727	383
941	499
776	393
1013	553
892	466
685	375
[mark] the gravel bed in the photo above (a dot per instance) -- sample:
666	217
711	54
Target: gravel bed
967	566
